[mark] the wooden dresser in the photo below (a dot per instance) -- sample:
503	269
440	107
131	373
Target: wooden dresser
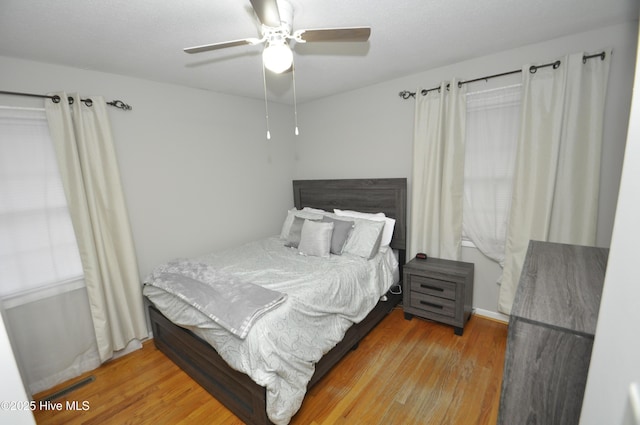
551	332
439	290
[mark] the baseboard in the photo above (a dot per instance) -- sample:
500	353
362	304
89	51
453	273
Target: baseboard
493	315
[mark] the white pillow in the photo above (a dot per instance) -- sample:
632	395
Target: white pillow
358	214
288	221
291	214
315	238
389	225
387	233
314	210
365	238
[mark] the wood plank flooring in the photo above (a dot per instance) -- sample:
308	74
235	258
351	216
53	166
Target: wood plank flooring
403	372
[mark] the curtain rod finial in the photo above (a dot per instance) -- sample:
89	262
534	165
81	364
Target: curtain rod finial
120	104
405	94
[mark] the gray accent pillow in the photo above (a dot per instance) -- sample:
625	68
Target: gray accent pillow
291	214
315	238
295	232
341	231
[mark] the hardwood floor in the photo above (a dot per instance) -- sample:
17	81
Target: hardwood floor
403	372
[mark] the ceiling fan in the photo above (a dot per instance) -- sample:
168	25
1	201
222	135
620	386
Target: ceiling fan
276	17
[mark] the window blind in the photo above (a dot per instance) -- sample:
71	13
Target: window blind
37	244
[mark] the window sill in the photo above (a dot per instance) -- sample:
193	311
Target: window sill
15	300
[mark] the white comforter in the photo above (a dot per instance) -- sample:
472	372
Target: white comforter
325	296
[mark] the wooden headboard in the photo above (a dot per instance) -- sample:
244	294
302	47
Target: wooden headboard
367	195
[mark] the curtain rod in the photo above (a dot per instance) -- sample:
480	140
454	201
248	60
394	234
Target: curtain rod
56	99
405	94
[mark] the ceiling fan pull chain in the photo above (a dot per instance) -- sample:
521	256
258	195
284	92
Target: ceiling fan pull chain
295	103
266	103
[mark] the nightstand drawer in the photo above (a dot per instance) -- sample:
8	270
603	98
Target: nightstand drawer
439	288
433	304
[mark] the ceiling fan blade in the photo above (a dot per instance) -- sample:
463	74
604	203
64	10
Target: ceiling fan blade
334	34
223	45
267	11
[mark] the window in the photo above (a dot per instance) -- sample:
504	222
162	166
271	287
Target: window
493	123
37	244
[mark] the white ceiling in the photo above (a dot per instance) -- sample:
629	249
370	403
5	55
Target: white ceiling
145	38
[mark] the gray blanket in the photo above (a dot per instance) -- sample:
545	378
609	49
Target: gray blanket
231	303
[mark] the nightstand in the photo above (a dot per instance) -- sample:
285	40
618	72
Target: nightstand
439	290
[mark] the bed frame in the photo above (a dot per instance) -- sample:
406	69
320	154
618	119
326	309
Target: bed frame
237	391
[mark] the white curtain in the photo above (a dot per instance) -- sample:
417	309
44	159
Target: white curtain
88	164
556	183
44	300
438	172
493	122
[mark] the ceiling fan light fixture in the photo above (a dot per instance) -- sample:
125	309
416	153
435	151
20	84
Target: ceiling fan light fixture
277	57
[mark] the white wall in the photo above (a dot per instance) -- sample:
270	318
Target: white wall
369	132
197	170
615	360
12	389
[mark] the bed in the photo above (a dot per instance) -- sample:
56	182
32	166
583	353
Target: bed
237	391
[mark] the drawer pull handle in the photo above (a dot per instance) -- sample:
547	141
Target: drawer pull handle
433	288
431	304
